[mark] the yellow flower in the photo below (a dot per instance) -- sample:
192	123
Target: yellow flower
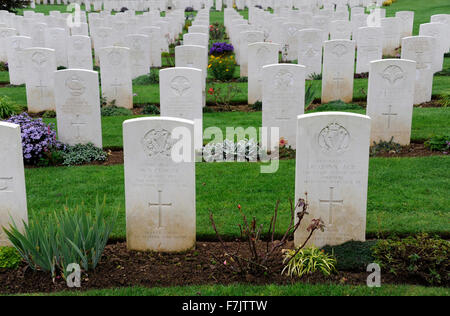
227	70
209	66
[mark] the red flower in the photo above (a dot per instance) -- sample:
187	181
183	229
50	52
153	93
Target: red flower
211	91
239	206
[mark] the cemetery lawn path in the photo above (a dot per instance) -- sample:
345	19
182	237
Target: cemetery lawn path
268	290
405	195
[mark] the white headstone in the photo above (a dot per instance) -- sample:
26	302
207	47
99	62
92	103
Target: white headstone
139	54
332	163
370	47
440	32
56	38
310	51
40	79
406	22
79	52
391	35
283	99
421	49
259	55
16	58
78	107
159	189
390	100
181	96
338	68
13	197
116	76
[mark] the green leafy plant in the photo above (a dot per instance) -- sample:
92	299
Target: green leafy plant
307	261
352	255
169	59
216	31
145	80
438	143
53	156
310	93
3	66
150	109
315	76
222	67
13	5
64	238
8	108
9	258
115	111
80	154
242	79
257	106
224	94
385	147
444	100
421	257
49	114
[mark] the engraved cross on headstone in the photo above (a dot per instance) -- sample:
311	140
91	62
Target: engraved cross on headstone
330	202
160	204
389	114
338	78
78	124
115	85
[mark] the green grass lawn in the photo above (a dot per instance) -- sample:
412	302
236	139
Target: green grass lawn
268	290
405	196
427	122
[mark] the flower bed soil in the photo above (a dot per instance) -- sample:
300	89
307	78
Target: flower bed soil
120	267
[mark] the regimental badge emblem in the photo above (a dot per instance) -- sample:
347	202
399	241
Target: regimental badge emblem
334	139
158	143
393	74
180	85
75	85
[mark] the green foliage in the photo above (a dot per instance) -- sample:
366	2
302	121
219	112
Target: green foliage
81	154
438	143
3	66
9	258
257	106
49	114
64	238
242	79
337	106
315	76
222	67
310	92
115	111
150	109
352	255
307	261
419	257
444	100
151	78
217	31
52	157
8	108
13	5
385	147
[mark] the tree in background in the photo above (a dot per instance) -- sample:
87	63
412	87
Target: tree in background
13	5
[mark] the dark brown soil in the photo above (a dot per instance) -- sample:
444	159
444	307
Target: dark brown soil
412	150
204	265
432	104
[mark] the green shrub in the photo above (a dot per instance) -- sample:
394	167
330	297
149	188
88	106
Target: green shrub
257	106
13	5
115	111
8	108
352	255
148	79
438	143
315	76
308	260
337	106
150	109
310	93
49	114
419	257
242	79
64	238
3	66
80	154
385	147
9	258
222	67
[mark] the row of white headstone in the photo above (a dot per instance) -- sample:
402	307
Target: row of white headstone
331	168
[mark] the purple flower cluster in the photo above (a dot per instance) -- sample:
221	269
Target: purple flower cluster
37	137
220	48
